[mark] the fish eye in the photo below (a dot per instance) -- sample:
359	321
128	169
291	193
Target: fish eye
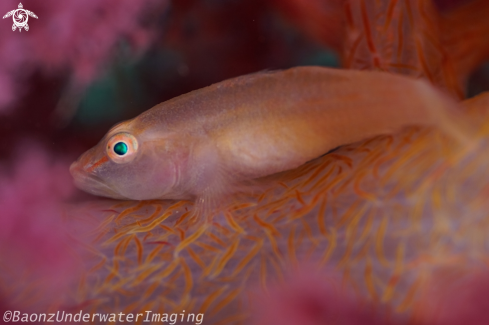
122	148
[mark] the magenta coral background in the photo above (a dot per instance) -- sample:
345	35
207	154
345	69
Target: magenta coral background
70	36
34	244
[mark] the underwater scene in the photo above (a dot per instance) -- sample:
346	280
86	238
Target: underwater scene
244	162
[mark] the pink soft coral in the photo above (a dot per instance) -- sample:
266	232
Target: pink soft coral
311	298
77	36
454	298
36	252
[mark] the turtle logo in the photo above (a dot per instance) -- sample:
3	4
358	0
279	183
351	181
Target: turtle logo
20	17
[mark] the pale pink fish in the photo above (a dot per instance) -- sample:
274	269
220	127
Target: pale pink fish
203	144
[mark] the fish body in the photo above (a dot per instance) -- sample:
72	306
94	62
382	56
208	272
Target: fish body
201	144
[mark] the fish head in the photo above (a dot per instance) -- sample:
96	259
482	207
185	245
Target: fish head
129	164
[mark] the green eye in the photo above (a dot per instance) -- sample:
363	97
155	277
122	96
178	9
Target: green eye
120	148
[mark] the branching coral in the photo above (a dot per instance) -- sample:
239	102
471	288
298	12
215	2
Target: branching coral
408	37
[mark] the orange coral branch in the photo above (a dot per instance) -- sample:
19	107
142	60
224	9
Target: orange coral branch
464	34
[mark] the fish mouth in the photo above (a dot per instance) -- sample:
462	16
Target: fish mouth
92	184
